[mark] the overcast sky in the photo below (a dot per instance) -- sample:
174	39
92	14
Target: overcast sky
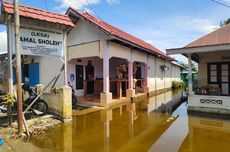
164	23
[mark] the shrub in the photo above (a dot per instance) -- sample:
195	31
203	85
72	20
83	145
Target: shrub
178	84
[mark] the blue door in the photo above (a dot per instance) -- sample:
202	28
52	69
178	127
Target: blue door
34	74
14	75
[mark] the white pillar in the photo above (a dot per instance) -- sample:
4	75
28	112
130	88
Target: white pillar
130	68
146	87
106	96
106	67
9	51
190	88
65	58
130	92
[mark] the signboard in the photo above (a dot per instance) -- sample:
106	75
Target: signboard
40	42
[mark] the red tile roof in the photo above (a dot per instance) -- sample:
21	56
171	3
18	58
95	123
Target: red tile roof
219	37
113	31
38	14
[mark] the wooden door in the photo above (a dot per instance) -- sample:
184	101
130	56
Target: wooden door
89	71
79	77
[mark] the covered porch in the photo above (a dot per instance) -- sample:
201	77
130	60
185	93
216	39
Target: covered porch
100	75
212	95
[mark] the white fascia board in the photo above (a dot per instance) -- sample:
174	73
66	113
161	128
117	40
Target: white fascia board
202	49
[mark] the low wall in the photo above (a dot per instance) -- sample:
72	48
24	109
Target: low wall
209	104
60	103
53	101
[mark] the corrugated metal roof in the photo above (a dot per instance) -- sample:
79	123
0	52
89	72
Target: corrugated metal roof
34	13
114	31
219	37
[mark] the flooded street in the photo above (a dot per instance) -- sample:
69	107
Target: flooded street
158	124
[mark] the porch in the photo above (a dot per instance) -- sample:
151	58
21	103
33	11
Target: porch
212	93
93	74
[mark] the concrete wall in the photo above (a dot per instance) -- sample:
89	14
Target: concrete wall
119	51
204	101
84	32
49	68
152	73
206	58
160	75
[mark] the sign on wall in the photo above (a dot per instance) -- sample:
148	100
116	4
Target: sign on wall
35	41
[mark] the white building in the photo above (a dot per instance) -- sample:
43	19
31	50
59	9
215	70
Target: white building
96	49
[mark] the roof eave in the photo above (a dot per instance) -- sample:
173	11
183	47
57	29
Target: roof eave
199	49
142	48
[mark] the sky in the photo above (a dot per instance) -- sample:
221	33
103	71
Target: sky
163	23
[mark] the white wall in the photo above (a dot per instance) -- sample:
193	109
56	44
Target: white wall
160	75
152	73
49	67
119	51
84	32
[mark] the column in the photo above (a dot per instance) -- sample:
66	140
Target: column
65	108
106	68
9	51
146	88
106	96
130	92
190	88
65	58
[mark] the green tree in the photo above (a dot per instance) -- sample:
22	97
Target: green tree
225	22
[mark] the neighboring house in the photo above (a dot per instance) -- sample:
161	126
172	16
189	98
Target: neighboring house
95	51
212	53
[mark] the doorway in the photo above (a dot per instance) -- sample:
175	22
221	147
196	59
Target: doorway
89	72
79	77
30	73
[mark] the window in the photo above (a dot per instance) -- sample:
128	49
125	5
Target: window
212	73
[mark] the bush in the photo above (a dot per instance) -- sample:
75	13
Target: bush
178	84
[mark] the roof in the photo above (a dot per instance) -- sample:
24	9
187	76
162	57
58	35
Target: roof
177	64
114	31
220	36
34	13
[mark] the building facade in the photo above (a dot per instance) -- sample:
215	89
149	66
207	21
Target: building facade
98	50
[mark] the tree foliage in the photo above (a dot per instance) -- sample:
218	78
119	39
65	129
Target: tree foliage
224	22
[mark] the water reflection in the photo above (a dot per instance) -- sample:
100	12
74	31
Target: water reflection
166	102
206	134
142	126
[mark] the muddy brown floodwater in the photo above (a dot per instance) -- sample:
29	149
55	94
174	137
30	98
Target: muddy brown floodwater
158	124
